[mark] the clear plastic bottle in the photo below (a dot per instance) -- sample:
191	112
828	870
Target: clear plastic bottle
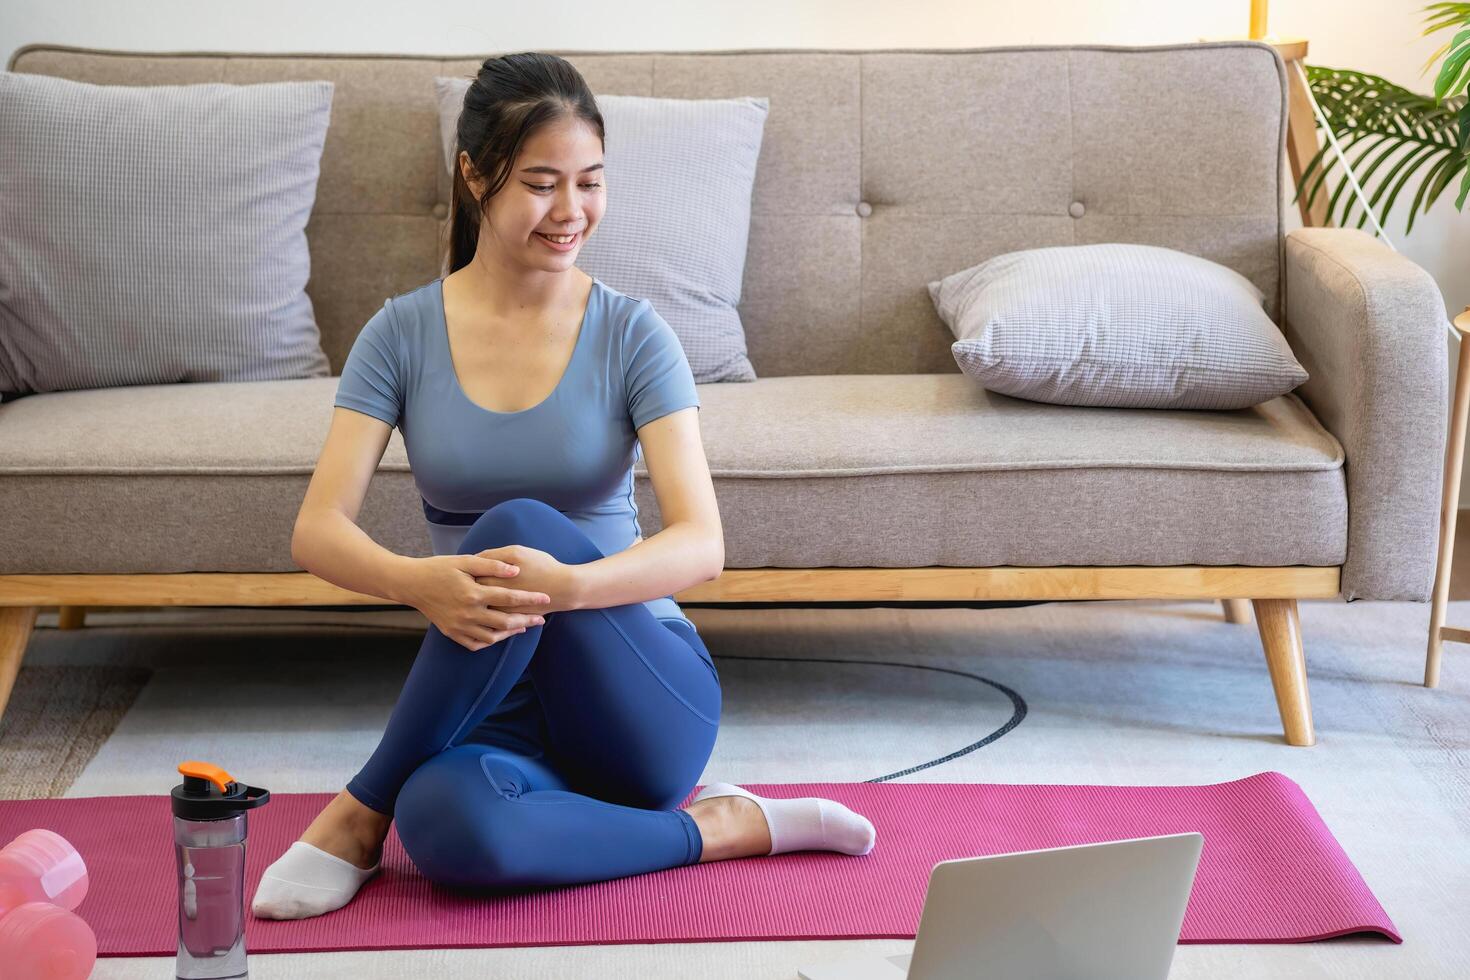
210	826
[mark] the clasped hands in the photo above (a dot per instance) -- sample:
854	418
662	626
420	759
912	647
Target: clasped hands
538	572
481	598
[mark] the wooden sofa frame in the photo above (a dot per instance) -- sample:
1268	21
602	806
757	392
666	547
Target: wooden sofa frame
1273	591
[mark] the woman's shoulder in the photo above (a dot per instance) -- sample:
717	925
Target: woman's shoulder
416	301
619	307
408	314
634	321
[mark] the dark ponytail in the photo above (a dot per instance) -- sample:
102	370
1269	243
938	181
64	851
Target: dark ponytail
511	97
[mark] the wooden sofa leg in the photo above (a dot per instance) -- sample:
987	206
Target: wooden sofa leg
16	623
1237	610
1281	637
71	617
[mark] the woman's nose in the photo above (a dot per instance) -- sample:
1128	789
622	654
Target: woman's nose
566	208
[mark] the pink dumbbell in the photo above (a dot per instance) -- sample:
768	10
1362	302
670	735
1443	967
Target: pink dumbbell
42	878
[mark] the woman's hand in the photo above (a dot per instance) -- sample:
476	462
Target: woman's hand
539	572
464	597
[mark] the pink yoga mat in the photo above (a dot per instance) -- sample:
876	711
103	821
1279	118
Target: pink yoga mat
1270	872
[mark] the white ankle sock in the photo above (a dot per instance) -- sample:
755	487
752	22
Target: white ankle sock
805	823
307	881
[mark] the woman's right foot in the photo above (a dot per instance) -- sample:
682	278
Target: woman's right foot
323	870
349	830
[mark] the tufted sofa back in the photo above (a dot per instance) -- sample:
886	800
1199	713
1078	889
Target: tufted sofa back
879	171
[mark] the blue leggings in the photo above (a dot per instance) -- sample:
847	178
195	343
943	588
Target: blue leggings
575	777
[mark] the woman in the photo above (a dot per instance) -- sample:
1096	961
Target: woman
555	716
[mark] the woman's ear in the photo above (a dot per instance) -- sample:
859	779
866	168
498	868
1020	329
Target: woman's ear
467	170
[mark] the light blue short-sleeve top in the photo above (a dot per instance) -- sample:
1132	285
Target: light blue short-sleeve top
575	450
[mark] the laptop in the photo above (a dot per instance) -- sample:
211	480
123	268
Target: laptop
1106	911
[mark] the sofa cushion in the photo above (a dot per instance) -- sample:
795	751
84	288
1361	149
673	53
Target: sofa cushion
1116	325
867	470
156	233
677	224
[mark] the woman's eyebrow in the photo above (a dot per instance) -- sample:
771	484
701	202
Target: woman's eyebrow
553	170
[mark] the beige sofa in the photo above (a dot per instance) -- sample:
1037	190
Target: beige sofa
862	466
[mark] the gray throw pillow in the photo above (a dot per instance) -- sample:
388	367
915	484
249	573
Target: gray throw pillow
156	234
679	179
1119	325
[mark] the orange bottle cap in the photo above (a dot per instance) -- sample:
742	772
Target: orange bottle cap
205	770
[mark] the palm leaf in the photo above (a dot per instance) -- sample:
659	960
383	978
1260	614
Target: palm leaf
1451	73
1371	116
1438	53
1443	15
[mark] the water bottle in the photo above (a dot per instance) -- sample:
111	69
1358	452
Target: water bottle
209	844
42	878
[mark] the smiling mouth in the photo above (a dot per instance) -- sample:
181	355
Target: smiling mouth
559	239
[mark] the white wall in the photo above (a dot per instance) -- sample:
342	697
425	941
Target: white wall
1378	36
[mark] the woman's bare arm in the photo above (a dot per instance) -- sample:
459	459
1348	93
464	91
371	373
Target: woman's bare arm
326	540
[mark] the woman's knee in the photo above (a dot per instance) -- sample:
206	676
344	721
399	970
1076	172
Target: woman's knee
456	834
534	523
431	820
508	522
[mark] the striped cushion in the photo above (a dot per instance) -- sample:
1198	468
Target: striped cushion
1120	325
156	234
679	177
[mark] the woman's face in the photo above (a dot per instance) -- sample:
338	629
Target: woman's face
556	188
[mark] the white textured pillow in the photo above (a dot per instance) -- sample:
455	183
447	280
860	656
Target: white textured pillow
156	234
679	174
1118	325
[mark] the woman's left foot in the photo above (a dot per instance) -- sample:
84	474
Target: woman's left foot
731	827
804	823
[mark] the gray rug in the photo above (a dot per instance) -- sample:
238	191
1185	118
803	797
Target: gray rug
56	720
1121	693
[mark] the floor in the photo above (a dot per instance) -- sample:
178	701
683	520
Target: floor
1117	692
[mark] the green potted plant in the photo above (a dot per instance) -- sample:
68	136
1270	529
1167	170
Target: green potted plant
1380	124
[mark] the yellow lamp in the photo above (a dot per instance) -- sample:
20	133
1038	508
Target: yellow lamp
1258	20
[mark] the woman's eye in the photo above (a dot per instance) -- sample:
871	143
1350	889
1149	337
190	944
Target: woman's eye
547	187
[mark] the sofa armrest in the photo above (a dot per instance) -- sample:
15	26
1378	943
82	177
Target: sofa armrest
1369	325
